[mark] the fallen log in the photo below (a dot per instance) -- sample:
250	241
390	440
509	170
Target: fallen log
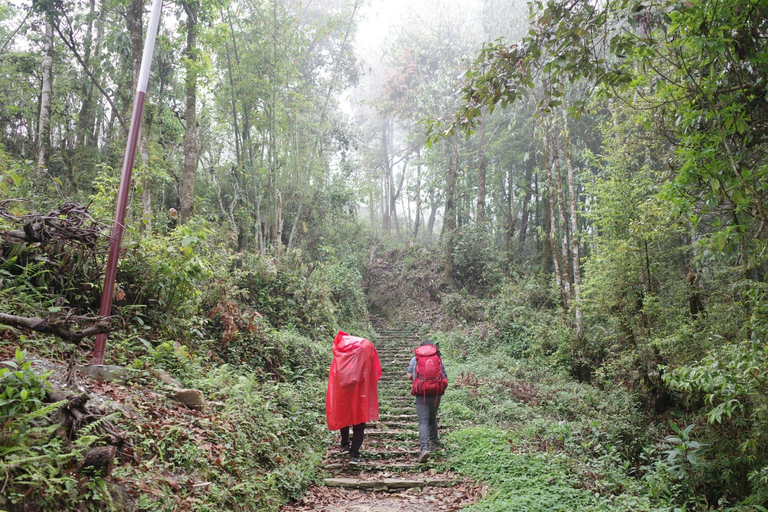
59	326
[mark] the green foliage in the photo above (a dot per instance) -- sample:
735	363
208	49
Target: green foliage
525	317
35	460
684	452
22	394
15	176
476	260
172	357
19	292
164	275
531	481
317	299
279	436
733	383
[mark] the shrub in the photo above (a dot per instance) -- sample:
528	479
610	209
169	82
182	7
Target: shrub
477	263
284	290
164	275
733	383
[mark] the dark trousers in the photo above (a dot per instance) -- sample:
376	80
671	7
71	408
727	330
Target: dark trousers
426	411
358	432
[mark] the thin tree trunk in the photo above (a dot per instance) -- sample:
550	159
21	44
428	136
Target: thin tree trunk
85	115
574	222
417	220
260	227
396	196
272	185
562	223
372	210
235	124
481	165
526	201
387	218
279	222
432	214
97	118
44	122
449	221
552	217
190	131
512	217
226	212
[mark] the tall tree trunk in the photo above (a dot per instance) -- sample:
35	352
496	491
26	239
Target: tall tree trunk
561	222
574	222
279	222
235	124
526	201
481	165
372	210
398	195
85	115
432	214
247	148
388	178
511	214
551	200
417	220
275	201
449	221
190	130
44	122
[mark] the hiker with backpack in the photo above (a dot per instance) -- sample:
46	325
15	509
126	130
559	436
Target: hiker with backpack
352	396
427	371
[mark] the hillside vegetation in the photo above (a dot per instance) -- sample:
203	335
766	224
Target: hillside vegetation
569	196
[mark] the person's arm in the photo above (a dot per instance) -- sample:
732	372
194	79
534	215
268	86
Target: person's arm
411	367
445	374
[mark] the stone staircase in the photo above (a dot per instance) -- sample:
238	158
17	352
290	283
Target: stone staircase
391	444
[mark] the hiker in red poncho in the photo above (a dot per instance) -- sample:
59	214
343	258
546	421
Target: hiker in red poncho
427	372
352	397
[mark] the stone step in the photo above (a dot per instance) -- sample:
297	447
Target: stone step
399	424
372	452
386	484
374	466
391	425
396	410
397	417
391	434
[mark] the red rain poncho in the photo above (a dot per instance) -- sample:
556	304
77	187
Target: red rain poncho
352	397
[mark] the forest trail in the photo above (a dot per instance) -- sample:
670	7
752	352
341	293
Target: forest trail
389	479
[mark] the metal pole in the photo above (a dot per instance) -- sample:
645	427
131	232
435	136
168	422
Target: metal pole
125	181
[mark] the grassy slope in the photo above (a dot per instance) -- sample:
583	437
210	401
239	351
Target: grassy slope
545	442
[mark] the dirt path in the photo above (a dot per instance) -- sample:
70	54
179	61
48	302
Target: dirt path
389	480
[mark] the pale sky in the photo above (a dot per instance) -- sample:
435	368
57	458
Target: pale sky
376	19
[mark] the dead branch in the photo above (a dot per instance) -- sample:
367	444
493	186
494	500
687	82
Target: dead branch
76	415
70	223
60	326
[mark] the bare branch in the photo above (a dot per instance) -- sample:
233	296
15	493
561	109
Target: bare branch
59	326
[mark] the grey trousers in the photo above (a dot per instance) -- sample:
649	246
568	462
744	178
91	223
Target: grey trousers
426	412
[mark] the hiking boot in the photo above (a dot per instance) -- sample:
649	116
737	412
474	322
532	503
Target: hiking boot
344	448
354	460
423	457
434	446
